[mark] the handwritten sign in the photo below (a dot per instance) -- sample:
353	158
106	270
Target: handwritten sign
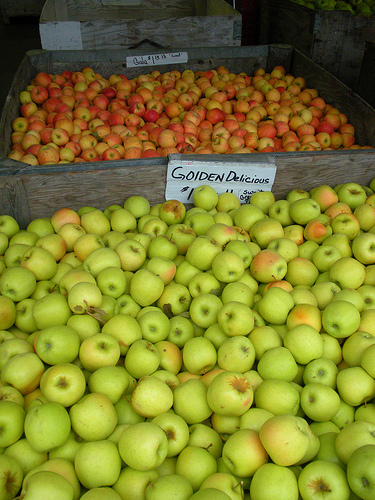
155	59
242	179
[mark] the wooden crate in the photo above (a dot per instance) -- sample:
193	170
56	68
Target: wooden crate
30	192
335	40
20	8
119	24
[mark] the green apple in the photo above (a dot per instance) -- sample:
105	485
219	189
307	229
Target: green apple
132	254
275	305
127	305
125	329
324	256
146	287
143	446
263	338
132	483
322	370
142	358
352	437
84	325
100	349
204	309
8	312
262	199
191	390
151	397
57	344
304	210
277	363
365	412
168	486
199	355
202	251
17	283
304	342
70	232
363	248
274	481
239	292
54	419
100	493
93	417
355	376
185	272
22	237
285	438
268	265
122	220
176	430
40	262
346	224
11	347
327	450
284	246
205	197
341	242
13	254
48	485
321	476
206	437
227	201
236	354
12	417
8	225
111	281
204	282
360	472
182	235
84	296
40	226
163	267
235	318
230	393
172	212
247	215
175	299
228	266
354	347
367	360
63	383
138	205
279	210
340	318
23	371
97	463
195	464
278	397
352	193
9	393
319	402
181	330
95	221
155	326
112	381
301	271
25	455
243	453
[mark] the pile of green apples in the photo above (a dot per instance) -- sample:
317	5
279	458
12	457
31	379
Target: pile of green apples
364	8
214	351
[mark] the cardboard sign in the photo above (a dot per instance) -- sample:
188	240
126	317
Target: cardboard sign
157	59
242	179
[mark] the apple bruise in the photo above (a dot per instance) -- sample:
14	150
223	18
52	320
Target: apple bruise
319	486
241	385
11	484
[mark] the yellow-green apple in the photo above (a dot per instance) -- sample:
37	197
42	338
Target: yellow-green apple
222	233
100	349
355	376
275	305
228	266
84	296
13	254
93	417
11	347
125	329
195	464
363	248
172	212
205	197
227	201
279	210
277	362
8	312
365	215
285	438
86	243
167	485
122	220
340	318
111	281
242	249
360	473
247	215
8	225
23	372
57	344
204	309
365	412
352	437
271	480
264	231
72	277
304	210
133	482
367	360
321	370
236	354
143	446
17	283
352	193
239	292
142	358
154	225
99	259
132	254
176	430
304	342
182	235
199	221
263	200
146	287
324	256
354	347
151	397
268	265
325	195
319	402
195	390
323	476
204	282
263	338
235	318
345	224
54	418
181	329
162	246
97	493
52	309
206	437
63	383
327	450
97	463
301	271
96	222
12	417
230	393
112	381
45	483
347	272
22	237
138	205
199	355
277	396
163	267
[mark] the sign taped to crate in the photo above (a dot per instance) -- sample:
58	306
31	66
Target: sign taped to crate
61	36
157	59
183	176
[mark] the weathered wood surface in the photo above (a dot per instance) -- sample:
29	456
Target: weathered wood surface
334	39
366	87
118	26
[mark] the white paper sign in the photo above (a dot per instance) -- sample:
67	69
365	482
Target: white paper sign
61	36
242	179
157	59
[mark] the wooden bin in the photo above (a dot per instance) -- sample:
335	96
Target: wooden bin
335	40
20	8
119	24
30	192
366	77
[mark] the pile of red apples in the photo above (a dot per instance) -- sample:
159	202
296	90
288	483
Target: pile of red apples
81	116
220	352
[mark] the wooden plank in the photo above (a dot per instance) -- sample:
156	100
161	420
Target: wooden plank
366	78
12	8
